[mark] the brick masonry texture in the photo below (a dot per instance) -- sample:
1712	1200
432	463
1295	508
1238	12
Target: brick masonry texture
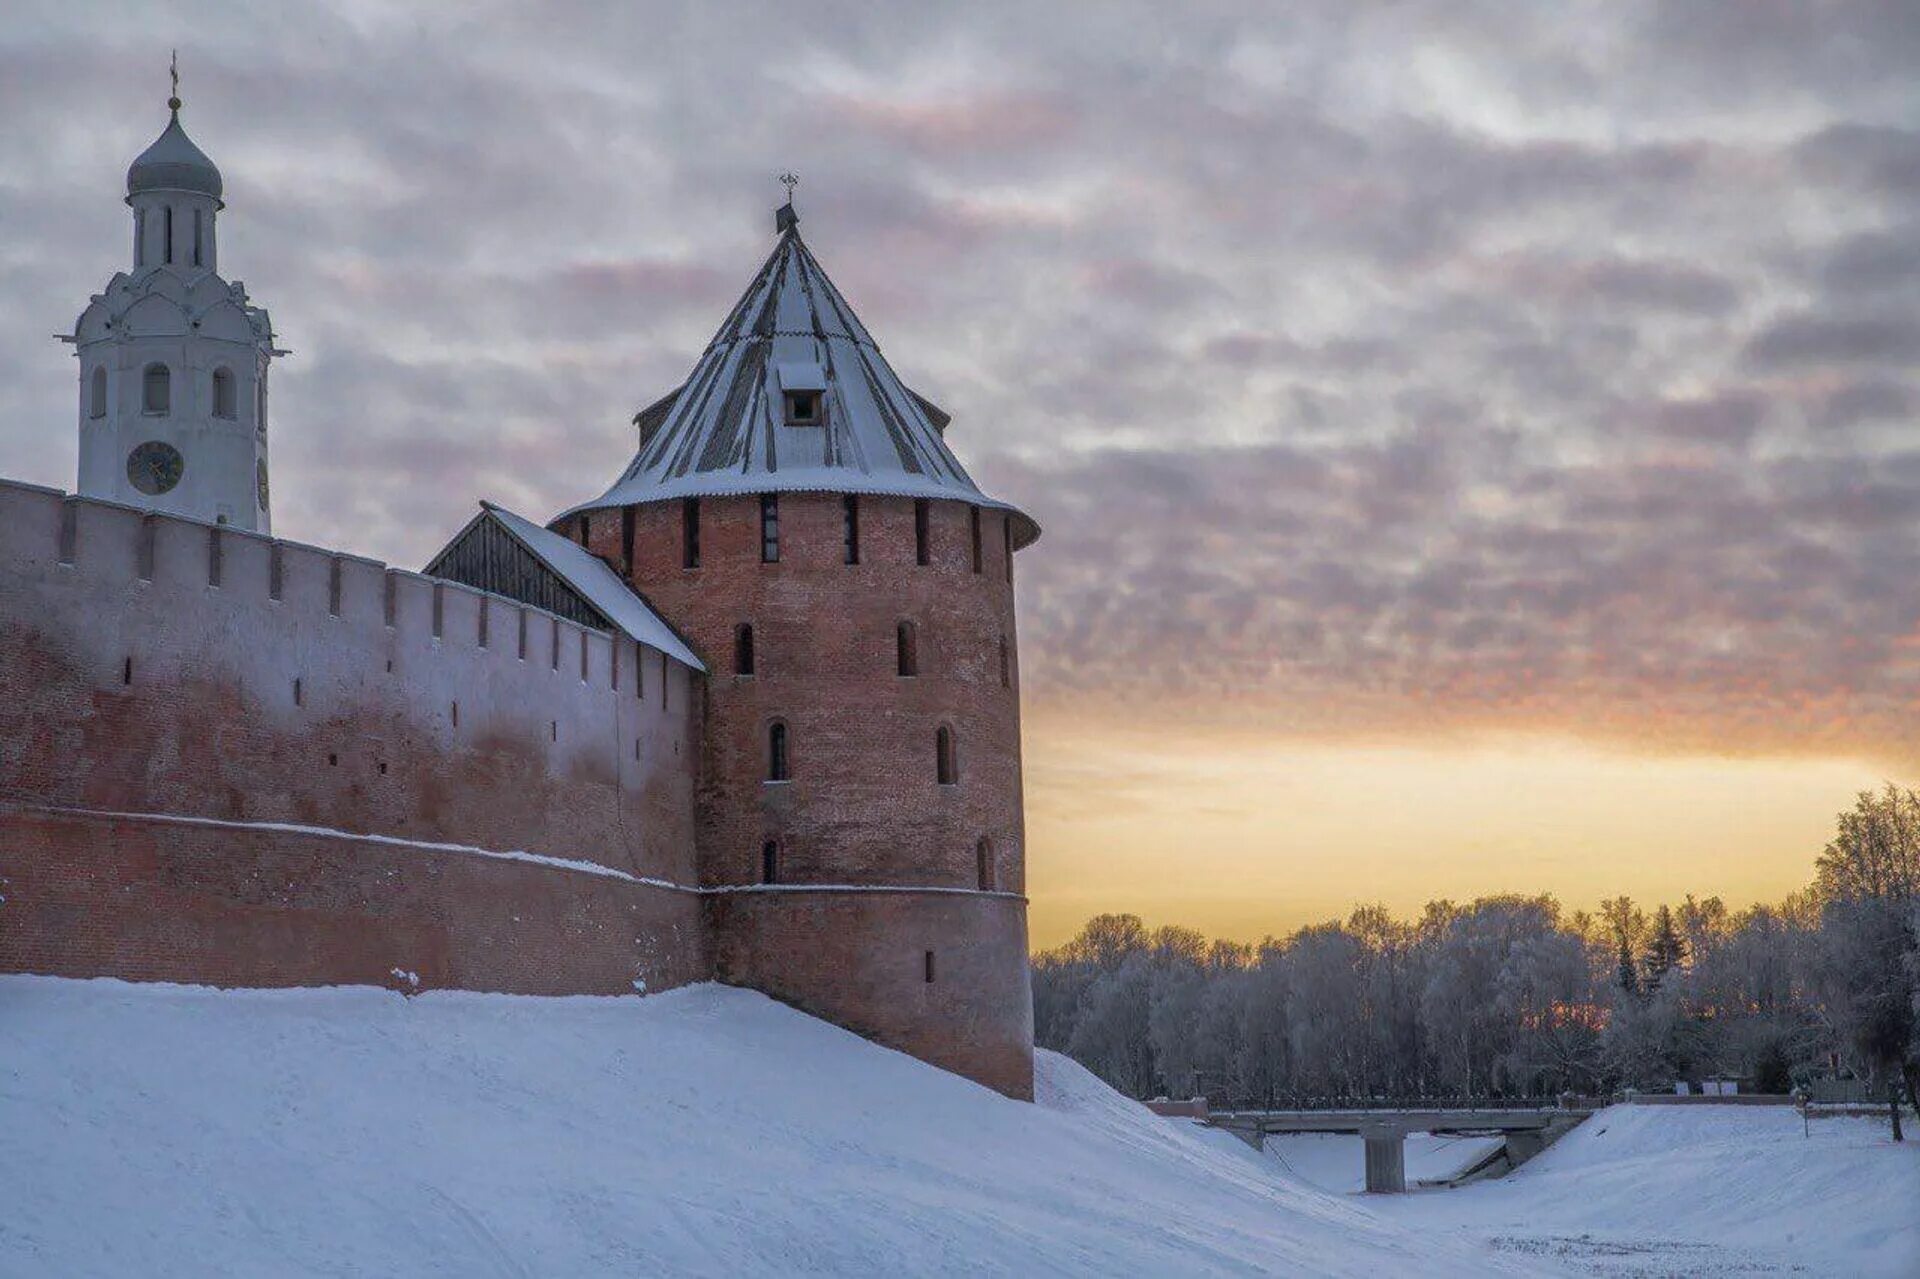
863	804
150	665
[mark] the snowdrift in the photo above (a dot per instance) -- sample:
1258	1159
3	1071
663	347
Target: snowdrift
160	1130
1698	1190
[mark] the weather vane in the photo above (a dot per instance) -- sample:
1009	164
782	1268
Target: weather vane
173	69
790	181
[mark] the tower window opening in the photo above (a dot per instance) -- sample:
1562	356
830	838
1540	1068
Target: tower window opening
927	967
769	528
586	529
850	507
777	770
983	864
769	863
690	533
945	769
907	648
97	393
803	408
166	242
156	389
743	649
974	512
922	532
196	237
626	537
223	397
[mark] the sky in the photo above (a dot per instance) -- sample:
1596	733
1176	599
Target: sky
1475	442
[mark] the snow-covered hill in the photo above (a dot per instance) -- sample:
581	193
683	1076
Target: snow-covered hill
154	1130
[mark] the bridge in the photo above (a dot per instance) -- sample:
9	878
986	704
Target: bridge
1527	1131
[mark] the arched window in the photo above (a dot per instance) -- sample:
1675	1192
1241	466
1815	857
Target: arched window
224	400
944	766
906	642
743	649
97	393
156	389
983	864
769	863
777	752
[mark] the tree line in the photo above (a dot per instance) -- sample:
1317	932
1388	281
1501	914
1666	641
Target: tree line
1512	996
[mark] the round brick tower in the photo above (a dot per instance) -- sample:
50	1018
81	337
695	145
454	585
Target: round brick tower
794	510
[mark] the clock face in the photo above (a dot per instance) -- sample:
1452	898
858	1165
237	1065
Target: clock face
260	481
155	467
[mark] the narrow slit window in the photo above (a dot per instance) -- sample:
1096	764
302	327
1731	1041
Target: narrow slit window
166	243
975	525
922	532
196	237
850	519
690	533
139	237
626	537
906	643
983	864
224	400
927	967
586	530
777	768
743	649
769	528
944	766
97	394
769	863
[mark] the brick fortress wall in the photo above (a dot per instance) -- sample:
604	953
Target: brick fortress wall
862	808
227	758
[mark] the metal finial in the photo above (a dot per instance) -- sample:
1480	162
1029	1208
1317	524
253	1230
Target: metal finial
173	69
785	218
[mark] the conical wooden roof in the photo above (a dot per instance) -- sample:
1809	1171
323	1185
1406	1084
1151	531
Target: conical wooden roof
725	430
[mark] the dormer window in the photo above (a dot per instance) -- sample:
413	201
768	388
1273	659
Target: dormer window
803	408
803	393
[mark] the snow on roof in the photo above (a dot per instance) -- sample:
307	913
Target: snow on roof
598	584
725	433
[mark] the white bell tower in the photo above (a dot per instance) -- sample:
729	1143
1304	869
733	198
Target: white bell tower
173	359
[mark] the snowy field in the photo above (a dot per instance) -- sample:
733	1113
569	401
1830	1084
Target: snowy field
154	1130
1665	1190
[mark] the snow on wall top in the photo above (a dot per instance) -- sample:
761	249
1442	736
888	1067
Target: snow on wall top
725	431
598	584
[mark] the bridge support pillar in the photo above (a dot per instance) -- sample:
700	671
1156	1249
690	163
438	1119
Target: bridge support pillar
1386	1160
1524	1145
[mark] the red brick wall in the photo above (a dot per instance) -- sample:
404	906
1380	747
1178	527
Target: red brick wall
863	806
151	901
156	666
859	959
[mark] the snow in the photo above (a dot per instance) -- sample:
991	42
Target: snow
600	585
1696	1190
168	1130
